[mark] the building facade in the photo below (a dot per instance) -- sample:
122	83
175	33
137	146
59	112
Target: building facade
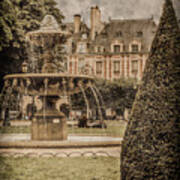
109	50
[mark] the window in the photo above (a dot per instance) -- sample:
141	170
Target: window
116	48
84	36
81	63
98	49
104	34
139	34
88	45
119	34
99	67
73	47
63	27
124	48
64	48
134	67
82	48
134	48
116	67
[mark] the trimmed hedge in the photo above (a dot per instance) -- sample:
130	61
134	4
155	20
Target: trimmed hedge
150	148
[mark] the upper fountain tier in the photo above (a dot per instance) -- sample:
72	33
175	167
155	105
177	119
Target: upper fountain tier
48	25
45	48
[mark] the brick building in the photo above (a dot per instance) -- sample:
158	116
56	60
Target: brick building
109	50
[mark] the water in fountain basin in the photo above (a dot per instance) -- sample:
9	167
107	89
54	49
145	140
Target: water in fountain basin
100	96
9	100
97	101
86	100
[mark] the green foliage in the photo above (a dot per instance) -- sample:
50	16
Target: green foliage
7	20
117	95
17	17
150	148
51	8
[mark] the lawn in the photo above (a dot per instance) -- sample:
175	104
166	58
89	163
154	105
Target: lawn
114	128
77	168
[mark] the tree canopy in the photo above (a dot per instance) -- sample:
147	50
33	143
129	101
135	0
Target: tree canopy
17	17
116	95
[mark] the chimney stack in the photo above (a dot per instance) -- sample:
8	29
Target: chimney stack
77	23
95	21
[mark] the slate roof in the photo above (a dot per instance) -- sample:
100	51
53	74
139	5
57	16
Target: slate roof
126	31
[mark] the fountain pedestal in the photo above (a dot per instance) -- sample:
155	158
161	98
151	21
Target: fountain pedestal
49	123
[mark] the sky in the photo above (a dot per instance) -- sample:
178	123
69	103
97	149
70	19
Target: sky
116	9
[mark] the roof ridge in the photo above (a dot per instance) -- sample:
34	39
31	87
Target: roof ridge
138	19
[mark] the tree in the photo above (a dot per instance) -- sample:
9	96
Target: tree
7	19
32	12
117	95
8	26
51	8
17	18
150	149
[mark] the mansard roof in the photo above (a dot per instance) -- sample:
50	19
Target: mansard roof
127	30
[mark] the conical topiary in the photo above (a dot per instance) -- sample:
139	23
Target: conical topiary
150	149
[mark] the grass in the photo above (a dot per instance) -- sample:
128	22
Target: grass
15	129
77	168
114	128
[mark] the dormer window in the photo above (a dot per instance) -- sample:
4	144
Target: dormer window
81	47
134	48
104	34
117	48
99	49
88	45
63	27
119	34
139	34
84	36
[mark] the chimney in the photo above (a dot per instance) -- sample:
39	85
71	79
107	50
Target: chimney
95	21
77	23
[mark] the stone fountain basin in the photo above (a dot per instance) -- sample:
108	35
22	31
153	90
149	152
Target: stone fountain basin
46	75
57	83
73	141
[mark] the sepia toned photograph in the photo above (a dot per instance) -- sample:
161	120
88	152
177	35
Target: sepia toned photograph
89	90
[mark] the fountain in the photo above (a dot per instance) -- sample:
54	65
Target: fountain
45	76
